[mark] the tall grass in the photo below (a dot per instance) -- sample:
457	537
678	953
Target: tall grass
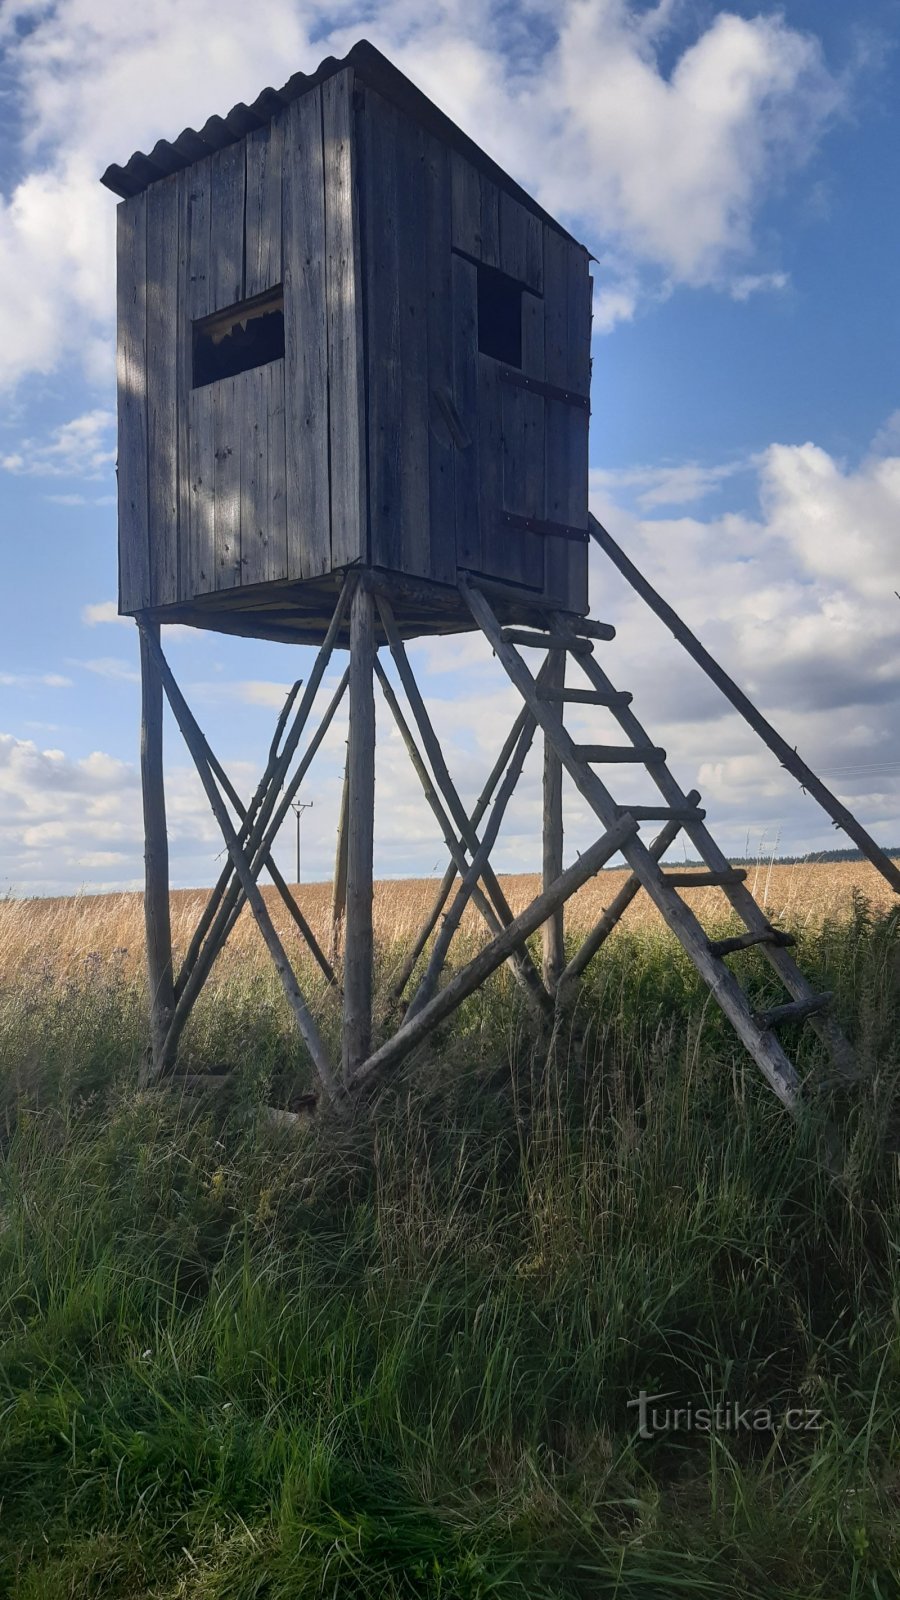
398	1359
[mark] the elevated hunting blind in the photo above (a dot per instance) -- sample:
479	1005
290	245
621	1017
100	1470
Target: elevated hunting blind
346	337
354	375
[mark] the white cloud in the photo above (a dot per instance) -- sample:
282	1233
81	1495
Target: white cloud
83	448
665	168
676	485
111	667
750	283
101	611
34	680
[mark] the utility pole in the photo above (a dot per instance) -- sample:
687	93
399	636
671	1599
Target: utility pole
298	807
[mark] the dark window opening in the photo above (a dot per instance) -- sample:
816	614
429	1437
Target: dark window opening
499	316
247	335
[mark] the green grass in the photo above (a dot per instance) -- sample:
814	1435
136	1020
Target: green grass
396	1359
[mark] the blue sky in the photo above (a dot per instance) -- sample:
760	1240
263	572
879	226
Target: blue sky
734	171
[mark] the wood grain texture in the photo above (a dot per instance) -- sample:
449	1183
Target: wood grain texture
306	342
276	561
227	191
382	272
517	554
131	377
262	246
252	418
465	184
202	465
162	389
415	541
228	427
567	365
521	243
442	444
344	292
464	291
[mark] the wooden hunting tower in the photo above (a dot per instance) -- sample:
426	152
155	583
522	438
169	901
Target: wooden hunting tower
346	337
354	374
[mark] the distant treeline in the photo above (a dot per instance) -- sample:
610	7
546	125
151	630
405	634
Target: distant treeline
812	856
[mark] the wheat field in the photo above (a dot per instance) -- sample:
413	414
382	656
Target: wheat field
58	934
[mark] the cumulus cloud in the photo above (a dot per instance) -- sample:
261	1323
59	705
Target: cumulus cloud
83	447
659	166
101	611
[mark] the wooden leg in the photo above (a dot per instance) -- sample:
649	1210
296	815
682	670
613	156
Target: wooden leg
553	931
360	833
339	888
156	860
202	757
512	937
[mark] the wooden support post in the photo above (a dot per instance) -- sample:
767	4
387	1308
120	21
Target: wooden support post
454	805
786	754
553	932
463	894
156	859
339	887
524	974
511	938
614	913
200	751
251	835
447	881
358	949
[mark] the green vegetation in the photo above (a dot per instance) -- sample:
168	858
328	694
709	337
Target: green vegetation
396	1360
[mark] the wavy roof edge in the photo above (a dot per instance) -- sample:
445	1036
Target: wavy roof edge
141	170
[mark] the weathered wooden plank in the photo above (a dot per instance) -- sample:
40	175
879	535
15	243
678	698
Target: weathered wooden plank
131	359
306	342
202	462
464	290
228	425
252	442
553	932
198	183
262	250
522	416
384	365
276	562
499	557
566	426
162	386
226	263
346	373
465	184
521	243
442	445
183	381
490	222
415	542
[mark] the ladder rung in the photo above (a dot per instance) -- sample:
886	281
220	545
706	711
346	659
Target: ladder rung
588	697
546	641
794	1011
746	941
649	755
705	880
663	813
587	628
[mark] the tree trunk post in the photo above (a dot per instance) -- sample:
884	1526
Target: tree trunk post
358	940
156	860
553	930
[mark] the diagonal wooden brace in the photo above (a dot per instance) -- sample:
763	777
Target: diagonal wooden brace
513	937
199	749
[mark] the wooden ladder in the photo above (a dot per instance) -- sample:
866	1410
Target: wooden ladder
756	1029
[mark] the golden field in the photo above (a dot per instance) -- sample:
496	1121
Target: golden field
58	934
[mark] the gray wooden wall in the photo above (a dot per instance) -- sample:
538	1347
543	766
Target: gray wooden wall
452	446
383	434
260	477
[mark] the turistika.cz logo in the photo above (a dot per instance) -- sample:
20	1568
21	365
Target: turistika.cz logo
727	1416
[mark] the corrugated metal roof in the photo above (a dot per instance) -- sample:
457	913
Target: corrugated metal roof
166	157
